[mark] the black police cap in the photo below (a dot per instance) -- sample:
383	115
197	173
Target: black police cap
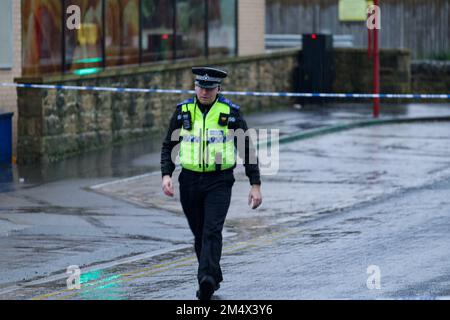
207	77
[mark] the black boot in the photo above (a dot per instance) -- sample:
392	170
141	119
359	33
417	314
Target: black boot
207	287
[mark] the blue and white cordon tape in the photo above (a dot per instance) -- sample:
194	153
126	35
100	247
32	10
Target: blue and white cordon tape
236	93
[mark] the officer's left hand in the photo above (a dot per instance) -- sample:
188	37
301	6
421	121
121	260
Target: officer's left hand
255	196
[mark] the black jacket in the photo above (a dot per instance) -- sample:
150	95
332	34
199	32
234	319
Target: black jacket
167	165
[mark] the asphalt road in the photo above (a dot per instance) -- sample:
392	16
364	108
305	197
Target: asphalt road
340	204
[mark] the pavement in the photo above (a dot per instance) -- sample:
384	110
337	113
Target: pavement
331	200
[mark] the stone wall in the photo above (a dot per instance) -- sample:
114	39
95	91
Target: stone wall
54	124
430	76
353	71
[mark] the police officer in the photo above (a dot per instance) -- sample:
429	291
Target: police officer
208	156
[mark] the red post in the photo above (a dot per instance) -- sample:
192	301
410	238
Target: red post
376	71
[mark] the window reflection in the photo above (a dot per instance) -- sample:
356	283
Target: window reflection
84	46
122	32
171	29
190	28
157	30
221	27
41	37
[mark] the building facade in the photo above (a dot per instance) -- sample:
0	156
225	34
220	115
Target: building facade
10	57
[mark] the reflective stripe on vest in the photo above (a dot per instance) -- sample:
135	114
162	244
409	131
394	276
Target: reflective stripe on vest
207	146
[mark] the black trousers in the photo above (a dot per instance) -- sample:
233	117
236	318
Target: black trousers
205	198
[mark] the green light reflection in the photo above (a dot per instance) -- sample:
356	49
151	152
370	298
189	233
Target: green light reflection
89	60
85	71
98	285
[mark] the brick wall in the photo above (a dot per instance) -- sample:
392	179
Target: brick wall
251	26
8	96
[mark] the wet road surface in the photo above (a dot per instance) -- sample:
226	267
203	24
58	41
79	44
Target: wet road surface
339	203
326	258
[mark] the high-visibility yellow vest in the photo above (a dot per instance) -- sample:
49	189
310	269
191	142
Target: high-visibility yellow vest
207	146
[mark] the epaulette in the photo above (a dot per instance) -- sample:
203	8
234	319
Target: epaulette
187	101
224	100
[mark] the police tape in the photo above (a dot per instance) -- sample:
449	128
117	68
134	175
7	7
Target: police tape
236	93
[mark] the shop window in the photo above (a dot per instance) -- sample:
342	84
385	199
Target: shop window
41	37
110	35
190	28
83	46
221	27
157	30
122	32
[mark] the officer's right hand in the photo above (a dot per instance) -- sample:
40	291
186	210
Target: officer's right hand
167	186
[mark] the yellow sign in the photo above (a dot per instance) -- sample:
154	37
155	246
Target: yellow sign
87	34
353	10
